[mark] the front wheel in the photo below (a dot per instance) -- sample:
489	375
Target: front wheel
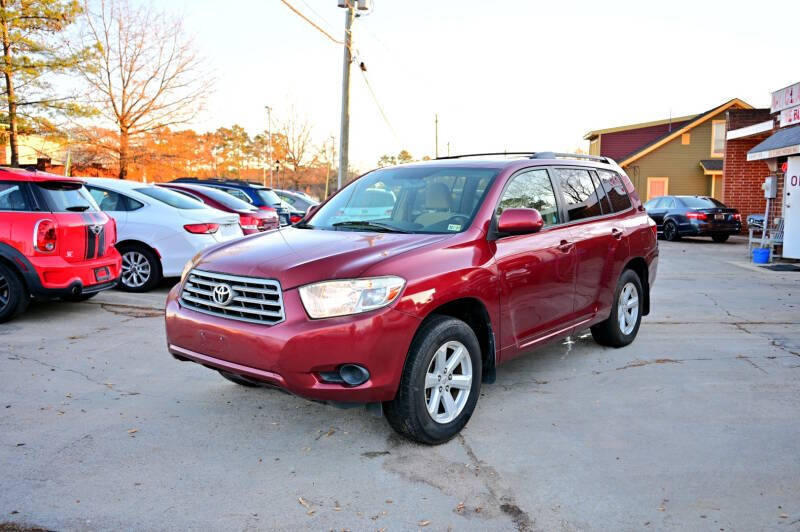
13	296
720	238
440	384
626	313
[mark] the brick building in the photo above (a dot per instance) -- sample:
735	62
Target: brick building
742	180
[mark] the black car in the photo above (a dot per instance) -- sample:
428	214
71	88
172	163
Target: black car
677	216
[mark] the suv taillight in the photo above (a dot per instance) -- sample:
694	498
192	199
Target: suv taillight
45	236
202	229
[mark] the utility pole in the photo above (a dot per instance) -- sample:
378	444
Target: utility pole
328	173
269	140
436	129
344	134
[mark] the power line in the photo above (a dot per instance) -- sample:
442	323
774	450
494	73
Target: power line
328	35
378	105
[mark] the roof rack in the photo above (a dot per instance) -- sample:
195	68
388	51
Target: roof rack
536	155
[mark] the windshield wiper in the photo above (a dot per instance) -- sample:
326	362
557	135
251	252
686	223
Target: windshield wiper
370	226
78	208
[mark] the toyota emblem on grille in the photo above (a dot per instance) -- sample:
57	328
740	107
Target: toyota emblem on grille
96	228
222	294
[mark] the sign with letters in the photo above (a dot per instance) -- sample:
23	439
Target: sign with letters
785	98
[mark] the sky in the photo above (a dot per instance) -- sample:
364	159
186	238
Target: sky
517	75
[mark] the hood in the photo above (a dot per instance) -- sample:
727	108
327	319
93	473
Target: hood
300	256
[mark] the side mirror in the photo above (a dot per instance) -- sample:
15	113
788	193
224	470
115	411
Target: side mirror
310	211
520	221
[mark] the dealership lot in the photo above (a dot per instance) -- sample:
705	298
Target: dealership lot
693	426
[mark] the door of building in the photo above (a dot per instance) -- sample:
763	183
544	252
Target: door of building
657	186
791	211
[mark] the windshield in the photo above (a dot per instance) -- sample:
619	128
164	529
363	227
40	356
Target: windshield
171	198
696	202
68	197
268	197
222	197
424	199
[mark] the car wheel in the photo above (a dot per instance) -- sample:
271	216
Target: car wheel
671	232
78	298
239	380
622	325
13	295
141	270
440	384
720	238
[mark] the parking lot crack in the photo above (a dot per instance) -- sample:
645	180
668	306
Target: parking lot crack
75	371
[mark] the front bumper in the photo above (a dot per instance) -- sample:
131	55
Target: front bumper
52	276
292	354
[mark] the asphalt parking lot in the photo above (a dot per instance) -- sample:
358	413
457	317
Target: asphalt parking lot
694	426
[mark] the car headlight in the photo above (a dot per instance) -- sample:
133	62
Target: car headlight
190	264
339	298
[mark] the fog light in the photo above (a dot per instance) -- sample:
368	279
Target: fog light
353	374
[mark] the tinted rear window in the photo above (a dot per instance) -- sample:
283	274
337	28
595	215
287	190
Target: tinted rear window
67	197
615	190
171	198
223	197
579	194
696	202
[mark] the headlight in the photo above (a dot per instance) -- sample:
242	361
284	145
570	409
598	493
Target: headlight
339	298
189	265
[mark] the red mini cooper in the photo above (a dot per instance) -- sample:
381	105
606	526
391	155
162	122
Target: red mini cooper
54	241
475	262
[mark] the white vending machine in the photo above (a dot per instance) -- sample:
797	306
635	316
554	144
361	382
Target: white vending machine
791	210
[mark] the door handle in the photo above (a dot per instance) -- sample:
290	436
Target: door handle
616	233
565	246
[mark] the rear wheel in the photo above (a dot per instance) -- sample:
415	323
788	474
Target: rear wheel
13	295
440	384
141	270
626	313
671	231
720	238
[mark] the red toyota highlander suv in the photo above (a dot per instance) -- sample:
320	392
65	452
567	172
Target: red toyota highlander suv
54	241
410	309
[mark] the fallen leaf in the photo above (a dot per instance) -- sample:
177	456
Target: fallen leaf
133	431
478	510
460	507
310	512
783	516
303	502
426	522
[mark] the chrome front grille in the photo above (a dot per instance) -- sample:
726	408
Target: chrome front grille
231	296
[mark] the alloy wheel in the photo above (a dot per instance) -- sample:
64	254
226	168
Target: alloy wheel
5	292
669	232
628	308
448	382
136	269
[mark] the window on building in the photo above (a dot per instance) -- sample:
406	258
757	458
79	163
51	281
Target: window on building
718	138
579	193
686	139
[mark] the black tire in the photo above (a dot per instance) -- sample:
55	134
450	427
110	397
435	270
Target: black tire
720	238
408	413
609	332
13	294
78	298
671	231
241	381
134	254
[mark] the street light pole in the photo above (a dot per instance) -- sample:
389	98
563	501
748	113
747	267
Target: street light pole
344	134
269	141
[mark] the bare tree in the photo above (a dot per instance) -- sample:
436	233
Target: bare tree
147	73
294	133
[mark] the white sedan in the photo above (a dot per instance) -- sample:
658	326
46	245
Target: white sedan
158	230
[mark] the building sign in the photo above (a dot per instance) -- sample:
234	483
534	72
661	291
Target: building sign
785	98
790	116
